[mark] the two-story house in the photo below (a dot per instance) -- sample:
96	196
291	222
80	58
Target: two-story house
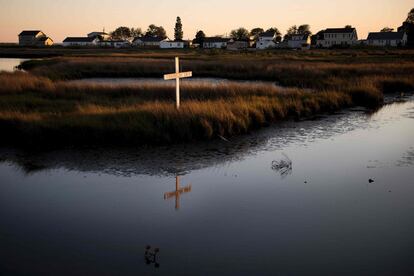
266	40
343	37
34	38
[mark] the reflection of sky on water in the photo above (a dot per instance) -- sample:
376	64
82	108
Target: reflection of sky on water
161	81
99	208
9	64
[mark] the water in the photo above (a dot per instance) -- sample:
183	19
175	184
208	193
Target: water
93	211
160	81
9	64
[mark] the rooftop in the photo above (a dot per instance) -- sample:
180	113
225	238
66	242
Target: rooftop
216	39
267	34
149	39
44	38
79	39
386	36
339	30
29	33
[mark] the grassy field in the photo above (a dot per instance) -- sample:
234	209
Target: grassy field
39	107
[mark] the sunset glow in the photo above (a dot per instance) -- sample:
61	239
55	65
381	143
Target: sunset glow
61	18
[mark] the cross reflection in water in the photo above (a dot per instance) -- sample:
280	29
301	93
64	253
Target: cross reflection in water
178	192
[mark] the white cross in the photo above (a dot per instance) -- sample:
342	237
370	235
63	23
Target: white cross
177	76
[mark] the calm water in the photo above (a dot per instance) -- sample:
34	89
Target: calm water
9	64
160	81
247	212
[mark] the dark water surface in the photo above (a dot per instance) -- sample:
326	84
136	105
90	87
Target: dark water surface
248	211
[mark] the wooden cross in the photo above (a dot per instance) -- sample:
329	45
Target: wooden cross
177	193
177	76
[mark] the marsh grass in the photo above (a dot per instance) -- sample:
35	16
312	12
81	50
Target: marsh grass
40	107
286	72
35	110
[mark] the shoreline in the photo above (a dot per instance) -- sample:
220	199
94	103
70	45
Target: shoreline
39	107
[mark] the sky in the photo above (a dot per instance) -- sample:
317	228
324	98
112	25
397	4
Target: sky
62	18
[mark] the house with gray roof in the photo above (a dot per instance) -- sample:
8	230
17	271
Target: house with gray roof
81	42
387	39
266	40
148	41
337	37
34	38
216	42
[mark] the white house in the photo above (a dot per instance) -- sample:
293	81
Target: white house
299	41
114	43
147	42
266	40
172	44
384	39
216	42
81	42
332	37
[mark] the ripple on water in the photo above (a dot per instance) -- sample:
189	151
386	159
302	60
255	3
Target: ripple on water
407	160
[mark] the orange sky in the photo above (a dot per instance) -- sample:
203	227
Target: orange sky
62	18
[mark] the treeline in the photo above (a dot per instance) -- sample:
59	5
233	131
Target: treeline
126	33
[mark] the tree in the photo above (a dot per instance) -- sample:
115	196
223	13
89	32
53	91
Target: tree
240	34
387	30
178	30
410	17
123	33
408	27
277	33
136	32
156	31
256	32
199	38
304	29
293	30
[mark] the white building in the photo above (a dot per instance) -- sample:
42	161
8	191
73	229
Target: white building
332	37
147	42
216	42
115	43
299	41
172	44
81	42
266	40
384	39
